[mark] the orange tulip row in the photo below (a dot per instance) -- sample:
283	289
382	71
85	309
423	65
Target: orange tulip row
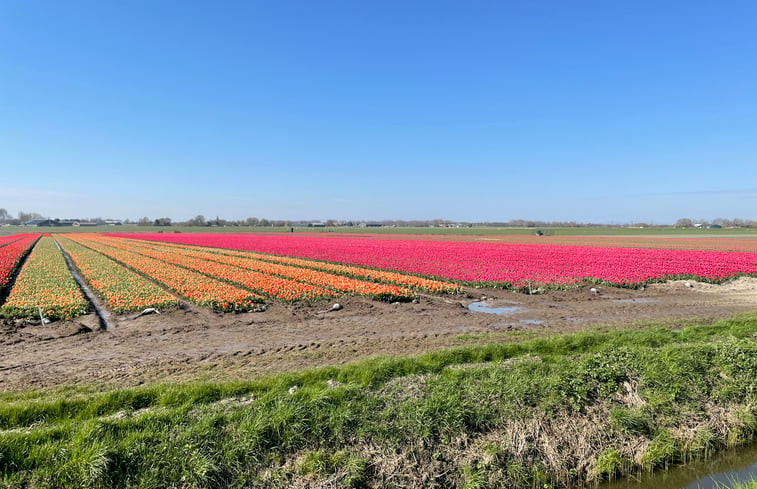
279	288
195	286
122	289
220	265
410	281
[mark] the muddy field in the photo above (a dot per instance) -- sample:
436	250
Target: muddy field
192	342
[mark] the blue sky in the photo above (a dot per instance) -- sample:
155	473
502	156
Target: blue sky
466	110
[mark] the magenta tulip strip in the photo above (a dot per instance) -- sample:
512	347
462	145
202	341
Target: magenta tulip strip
508	263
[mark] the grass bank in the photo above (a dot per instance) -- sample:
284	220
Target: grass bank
549	413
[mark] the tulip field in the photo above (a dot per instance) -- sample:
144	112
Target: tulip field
12	249
45	286
516	263
130	275
241	272
122	289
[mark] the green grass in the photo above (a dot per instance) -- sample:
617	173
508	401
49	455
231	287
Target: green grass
474	231
548	412
750	484
746	485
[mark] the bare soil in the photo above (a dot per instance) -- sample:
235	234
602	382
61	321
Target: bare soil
192	342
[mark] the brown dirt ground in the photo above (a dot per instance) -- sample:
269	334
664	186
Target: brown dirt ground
195	343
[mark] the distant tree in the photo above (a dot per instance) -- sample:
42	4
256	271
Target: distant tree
684	223
251	221
24	216
163	221
4	216
197	221
265	222
145	221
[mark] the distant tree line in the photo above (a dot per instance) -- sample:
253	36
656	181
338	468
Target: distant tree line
720	222
23	217
201	221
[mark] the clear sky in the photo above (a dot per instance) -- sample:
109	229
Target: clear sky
465	110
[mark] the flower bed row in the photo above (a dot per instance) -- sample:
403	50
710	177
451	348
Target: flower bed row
265	276
195	286
4	240
45	283
280	288
11	253
122	289
409	281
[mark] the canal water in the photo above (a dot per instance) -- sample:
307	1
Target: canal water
719	472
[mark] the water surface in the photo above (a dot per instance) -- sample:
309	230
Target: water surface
487	308
720	472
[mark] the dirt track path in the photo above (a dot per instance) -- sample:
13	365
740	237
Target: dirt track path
194	342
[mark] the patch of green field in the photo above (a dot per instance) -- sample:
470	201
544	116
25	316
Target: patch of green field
547	412
472	231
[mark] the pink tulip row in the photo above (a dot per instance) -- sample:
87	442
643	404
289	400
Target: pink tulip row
514	263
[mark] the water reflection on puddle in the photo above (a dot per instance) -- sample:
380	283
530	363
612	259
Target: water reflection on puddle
487	308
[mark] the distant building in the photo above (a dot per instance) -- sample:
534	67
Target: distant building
76	223
40	222
59	223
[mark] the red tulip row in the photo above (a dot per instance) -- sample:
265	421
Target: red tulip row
11	253
195	286
122	289
4	240
45	286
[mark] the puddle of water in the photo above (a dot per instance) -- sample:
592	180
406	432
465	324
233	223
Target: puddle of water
720	472
532	321
487	308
